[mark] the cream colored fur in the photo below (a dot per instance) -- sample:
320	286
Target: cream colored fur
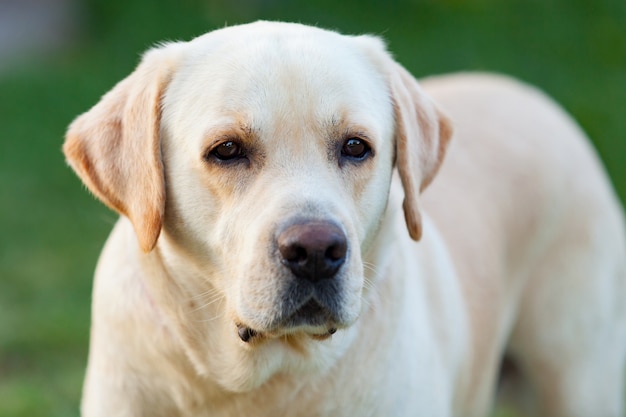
521	240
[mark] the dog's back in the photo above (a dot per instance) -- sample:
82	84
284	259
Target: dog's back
537	236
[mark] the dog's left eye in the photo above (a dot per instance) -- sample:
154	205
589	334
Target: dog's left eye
355	148
227	151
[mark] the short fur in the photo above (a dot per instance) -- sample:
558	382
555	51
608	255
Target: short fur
521	248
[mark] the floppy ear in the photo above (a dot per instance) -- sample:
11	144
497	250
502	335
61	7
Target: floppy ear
115	147
422	135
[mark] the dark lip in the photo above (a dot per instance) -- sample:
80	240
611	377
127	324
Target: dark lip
312	313
309	315
305	304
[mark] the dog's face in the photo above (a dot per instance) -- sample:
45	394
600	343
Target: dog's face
263	154
286	161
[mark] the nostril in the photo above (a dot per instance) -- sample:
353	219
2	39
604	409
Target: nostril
293	253
300	254
337	251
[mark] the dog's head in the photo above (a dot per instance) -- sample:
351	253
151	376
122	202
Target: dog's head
258	159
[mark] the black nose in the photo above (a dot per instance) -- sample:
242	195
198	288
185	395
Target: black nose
314	250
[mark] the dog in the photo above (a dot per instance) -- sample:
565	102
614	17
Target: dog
292	241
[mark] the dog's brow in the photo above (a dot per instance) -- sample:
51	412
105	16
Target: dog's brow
336	121
248	129
345	125
342	127
242	130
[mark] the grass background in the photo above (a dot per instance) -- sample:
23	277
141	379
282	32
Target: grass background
51	229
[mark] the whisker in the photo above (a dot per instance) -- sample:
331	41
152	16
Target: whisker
369	284
209	291
215	317
208	303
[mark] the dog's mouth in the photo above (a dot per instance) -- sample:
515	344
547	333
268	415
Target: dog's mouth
247	334
312	319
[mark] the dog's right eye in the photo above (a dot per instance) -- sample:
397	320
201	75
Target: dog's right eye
355	149
227	151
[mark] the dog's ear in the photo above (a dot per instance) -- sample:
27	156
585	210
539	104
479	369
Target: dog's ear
423	131
115	146
422	135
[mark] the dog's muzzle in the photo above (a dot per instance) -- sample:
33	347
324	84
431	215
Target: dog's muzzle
312	253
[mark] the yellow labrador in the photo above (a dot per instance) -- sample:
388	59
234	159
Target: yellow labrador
262	265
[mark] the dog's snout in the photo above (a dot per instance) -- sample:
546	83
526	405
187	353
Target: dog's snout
313	251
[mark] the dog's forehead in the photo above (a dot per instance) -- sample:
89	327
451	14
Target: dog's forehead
276	74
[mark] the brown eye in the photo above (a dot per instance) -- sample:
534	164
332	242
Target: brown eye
355	148
227	151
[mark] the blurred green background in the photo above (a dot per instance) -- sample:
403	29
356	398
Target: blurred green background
51	229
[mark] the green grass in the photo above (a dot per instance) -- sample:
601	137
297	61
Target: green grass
51	229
